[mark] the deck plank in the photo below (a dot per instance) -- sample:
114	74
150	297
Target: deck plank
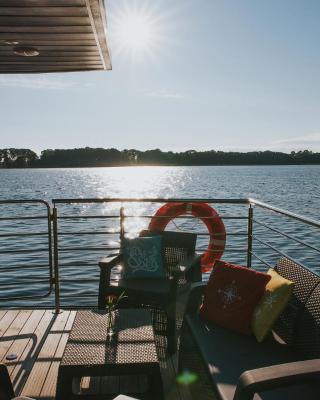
11	333
42	365
22	366
20	342
7	320
49	388
2	314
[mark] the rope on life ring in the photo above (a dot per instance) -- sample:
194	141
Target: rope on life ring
207	215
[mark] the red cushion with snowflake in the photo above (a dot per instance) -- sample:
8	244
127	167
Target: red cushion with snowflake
231	296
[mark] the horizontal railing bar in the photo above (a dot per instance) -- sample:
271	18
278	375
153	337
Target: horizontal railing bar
67	280
89	233
149	217
87	216
138	231
226	249
49	306
260	259
28	217
78	264
21	282
278	251
118	248
201	233
23	251
23	234
277	210
148	200
19	267
88	248
220	216
22	201
35	297
287	236
222	234
80	296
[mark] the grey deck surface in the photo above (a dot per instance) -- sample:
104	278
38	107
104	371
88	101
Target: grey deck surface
39	337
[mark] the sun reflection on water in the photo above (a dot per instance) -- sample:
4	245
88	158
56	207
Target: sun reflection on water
137	182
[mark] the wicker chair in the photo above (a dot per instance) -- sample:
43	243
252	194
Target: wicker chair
181	265
230	366
6	389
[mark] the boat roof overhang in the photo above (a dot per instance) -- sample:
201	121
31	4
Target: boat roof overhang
69	35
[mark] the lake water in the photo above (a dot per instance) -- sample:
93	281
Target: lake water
294	188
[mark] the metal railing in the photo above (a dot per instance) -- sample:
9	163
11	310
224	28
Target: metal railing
303	225
81	231
23	245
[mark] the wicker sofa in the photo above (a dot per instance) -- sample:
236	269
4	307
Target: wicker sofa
230	366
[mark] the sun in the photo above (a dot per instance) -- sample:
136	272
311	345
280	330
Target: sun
135	30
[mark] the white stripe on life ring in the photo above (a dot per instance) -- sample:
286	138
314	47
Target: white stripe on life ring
217	242
189	208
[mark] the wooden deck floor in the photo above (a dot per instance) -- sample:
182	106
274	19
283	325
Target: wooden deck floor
38	337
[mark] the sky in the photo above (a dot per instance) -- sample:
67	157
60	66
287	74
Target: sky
187	74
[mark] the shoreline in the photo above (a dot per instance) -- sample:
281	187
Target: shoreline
159	165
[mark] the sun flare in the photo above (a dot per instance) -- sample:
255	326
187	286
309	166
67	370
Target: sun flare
136	31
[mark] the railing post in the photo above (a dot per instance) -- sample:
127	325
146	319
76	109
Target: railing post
56	261
122	217
50	255
250	231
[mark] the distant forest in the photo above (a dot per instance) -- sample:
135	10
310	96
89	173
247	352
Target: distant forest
89	157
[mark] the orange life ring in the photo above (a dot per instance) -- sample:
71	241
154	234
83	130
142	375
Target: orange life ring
208	216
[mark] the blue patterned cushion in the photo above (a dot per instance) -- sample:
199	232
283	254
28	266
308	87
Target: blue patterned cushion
142	257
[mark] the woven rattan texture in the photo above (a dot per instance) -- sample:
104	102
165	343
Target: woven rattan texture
133	341
307	339
305	282
174	256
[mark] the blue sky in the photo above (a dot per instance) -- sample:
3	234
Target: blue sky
217	74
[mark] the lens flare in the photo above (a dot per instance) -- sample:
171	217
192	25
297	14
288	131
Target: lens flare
135	30
186	378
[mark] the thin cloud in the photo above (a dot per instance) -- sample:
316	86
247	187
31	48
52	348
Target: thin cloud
40	83
167	95
310	142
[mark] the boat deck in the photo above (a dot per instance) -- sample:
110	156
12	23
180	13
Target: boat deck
38	338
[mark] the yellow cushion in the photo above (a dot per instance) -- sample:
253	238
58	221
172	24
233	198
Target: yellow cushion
277	295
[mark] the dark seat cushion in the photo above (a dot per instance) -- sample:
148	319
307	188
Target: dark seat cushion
228	354
144	289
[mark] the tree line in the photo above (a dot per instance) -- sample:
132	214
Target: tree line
99	157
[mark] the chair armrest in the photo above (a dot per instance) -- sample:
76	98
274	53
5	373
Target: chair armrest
268	378
6	388
110	261
191	268
195	297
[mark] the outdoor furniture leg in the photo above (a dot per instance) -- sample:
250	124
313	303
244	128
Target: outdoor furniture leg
102	288
155	384
64	385
6	389
171	328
